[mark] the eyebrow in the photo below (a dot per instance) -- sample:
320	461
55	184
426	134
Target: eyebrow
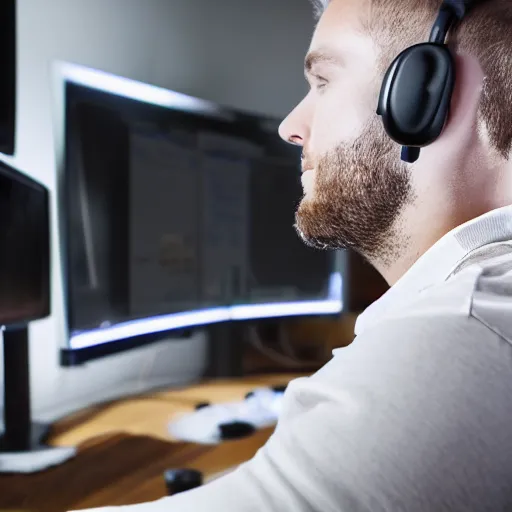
320	56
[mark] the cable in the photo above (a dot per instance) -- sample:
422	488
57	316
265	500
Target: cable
285	344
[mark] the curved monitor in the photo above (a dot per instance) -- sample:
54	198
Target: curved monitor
177	213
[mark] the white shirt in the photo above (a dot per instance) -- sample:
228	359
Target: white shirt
415	415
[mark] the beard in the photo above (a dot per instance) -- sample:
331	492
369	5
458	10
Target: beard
360	192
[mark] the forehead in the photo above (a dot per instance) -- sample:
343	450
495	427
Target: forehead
342	29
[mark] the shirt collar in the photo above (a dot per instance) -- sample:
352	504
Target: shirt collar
438	262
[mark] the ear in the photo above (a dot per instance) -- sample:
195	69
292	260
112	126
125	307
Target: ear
469	79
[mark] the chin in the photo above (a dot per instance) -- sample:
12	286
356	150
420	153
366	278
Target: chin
308	196
308	181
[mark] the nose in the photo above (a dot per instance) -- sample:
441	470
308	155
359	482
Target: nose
295	129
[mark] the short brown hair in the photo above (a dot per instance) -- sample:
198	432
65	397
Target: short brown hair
485	33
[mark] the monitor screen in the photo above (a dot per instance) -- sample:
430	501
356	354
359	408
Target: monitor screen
24	249
179	213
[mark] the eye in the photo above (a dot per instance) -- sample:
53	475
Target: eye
320	82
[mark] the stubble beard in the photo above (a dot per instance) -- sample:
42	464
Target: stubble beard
361	191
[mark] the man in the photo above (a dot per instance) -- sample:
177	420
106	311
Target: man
415	415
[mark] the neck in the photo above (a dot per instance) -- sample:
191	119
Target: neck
480	181
424	228
418	243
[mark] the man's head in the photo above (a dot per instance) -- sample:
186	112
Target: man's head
358	194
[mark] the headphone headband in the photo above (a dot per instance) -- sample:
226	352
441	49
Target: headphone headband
458	8
451	11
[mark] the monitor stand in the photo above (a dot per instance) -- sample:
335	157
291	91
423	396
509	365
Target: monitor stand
22	445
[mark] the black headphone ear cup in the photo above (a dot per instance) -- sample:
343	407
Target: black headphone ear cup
416	93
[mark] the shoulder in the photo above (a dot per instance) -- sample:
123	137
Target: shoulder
477	293
491	302
455	327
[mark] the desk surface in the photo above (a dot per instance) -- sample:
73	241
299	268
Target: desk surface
130	438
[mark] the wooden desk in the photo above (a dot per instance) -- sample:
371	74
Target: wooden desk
124	449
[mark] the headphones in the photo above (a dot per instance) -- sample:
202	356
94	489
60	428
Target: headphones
416	93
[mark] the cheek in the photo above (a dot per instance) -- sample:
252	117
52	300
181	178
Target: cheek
341	113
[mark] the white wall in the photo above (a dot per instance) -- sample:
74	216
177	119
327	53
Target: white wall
241	53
